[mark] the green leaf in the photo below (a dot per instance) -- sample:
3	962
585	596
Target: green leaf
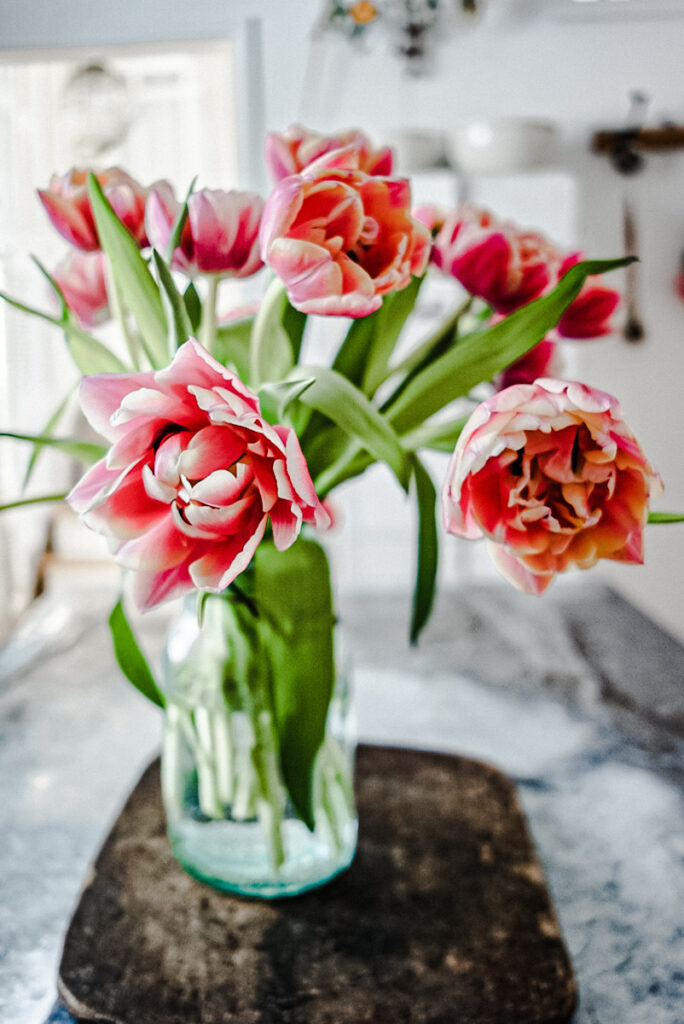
131	660
85	350
363	355
480	356
294	323
41	499
276	397
338	399
45	432
132	278
395	309
82	450
297	633
232	345
271	354
177	317
193	305
666	517
441	436
436	345
89	354
179	223
428	550
63	307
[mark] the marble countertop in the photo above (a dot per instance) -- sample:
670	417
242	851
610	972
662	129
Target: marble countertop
577	697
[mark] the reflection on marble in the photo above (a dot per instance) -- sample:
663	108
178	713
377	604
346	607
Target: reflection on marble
577	697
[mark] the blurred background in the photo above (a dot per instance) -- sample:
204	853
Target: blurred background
497	101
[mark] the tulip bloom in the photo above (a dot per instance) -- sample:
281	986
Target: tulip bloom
292	151
433	217
589	315
341	239
68	206
221	234
495	261
550	473
541	361
193	476
82	280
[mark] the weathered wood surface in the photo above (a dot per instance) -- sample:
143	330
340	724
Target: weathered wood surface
443	918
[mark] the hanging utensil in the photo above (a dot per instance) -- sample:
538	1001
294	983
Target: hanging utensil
633	329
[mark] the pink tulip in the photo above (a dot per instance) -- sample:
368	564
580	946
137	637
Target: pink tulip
292	151
193	476
68	206
589	316
341	239
493	260
541	361
221	234
433	217
161	211
82	280
553	477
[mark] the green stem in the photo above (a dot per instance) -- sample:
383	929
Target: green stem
271	802
208	325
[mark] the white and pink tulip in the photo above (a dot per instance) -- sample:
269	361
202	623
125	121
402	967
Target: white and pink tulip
550	473
193	477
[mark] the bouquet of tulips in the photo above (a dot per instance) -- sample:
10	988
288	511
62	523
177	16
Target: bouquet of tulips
219	435
222	438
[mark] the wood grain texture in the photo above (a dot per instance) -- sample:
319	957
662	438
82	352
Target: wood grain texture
443	918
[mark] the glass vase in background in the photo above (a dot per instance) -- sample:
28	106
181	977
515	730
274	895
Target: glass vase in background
258	752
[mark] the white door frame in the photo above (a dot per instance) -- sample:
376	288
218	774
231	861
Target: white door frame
82	27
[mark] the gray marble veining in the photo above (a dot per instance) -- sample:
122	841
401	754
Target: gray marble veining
577	696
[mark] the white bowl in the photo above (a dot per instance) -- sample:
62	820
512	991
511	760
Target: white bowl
503	146
418	149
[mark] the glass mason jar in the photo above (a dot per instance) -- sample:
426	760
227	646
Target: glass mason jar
258	752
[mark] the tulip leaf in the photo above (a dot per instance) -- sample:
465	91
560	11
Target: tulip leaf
89	354
296	629
294	323
666	517
277	396
271	351
427	551
395	312
177	317
132	278
84	451
480	356
363	355
232	345
436	345
338	399
45	433
39	500
440	436
179	223
193	305
132	661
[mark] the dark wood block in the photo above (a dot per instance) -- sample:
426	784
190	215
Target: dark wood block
443	918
